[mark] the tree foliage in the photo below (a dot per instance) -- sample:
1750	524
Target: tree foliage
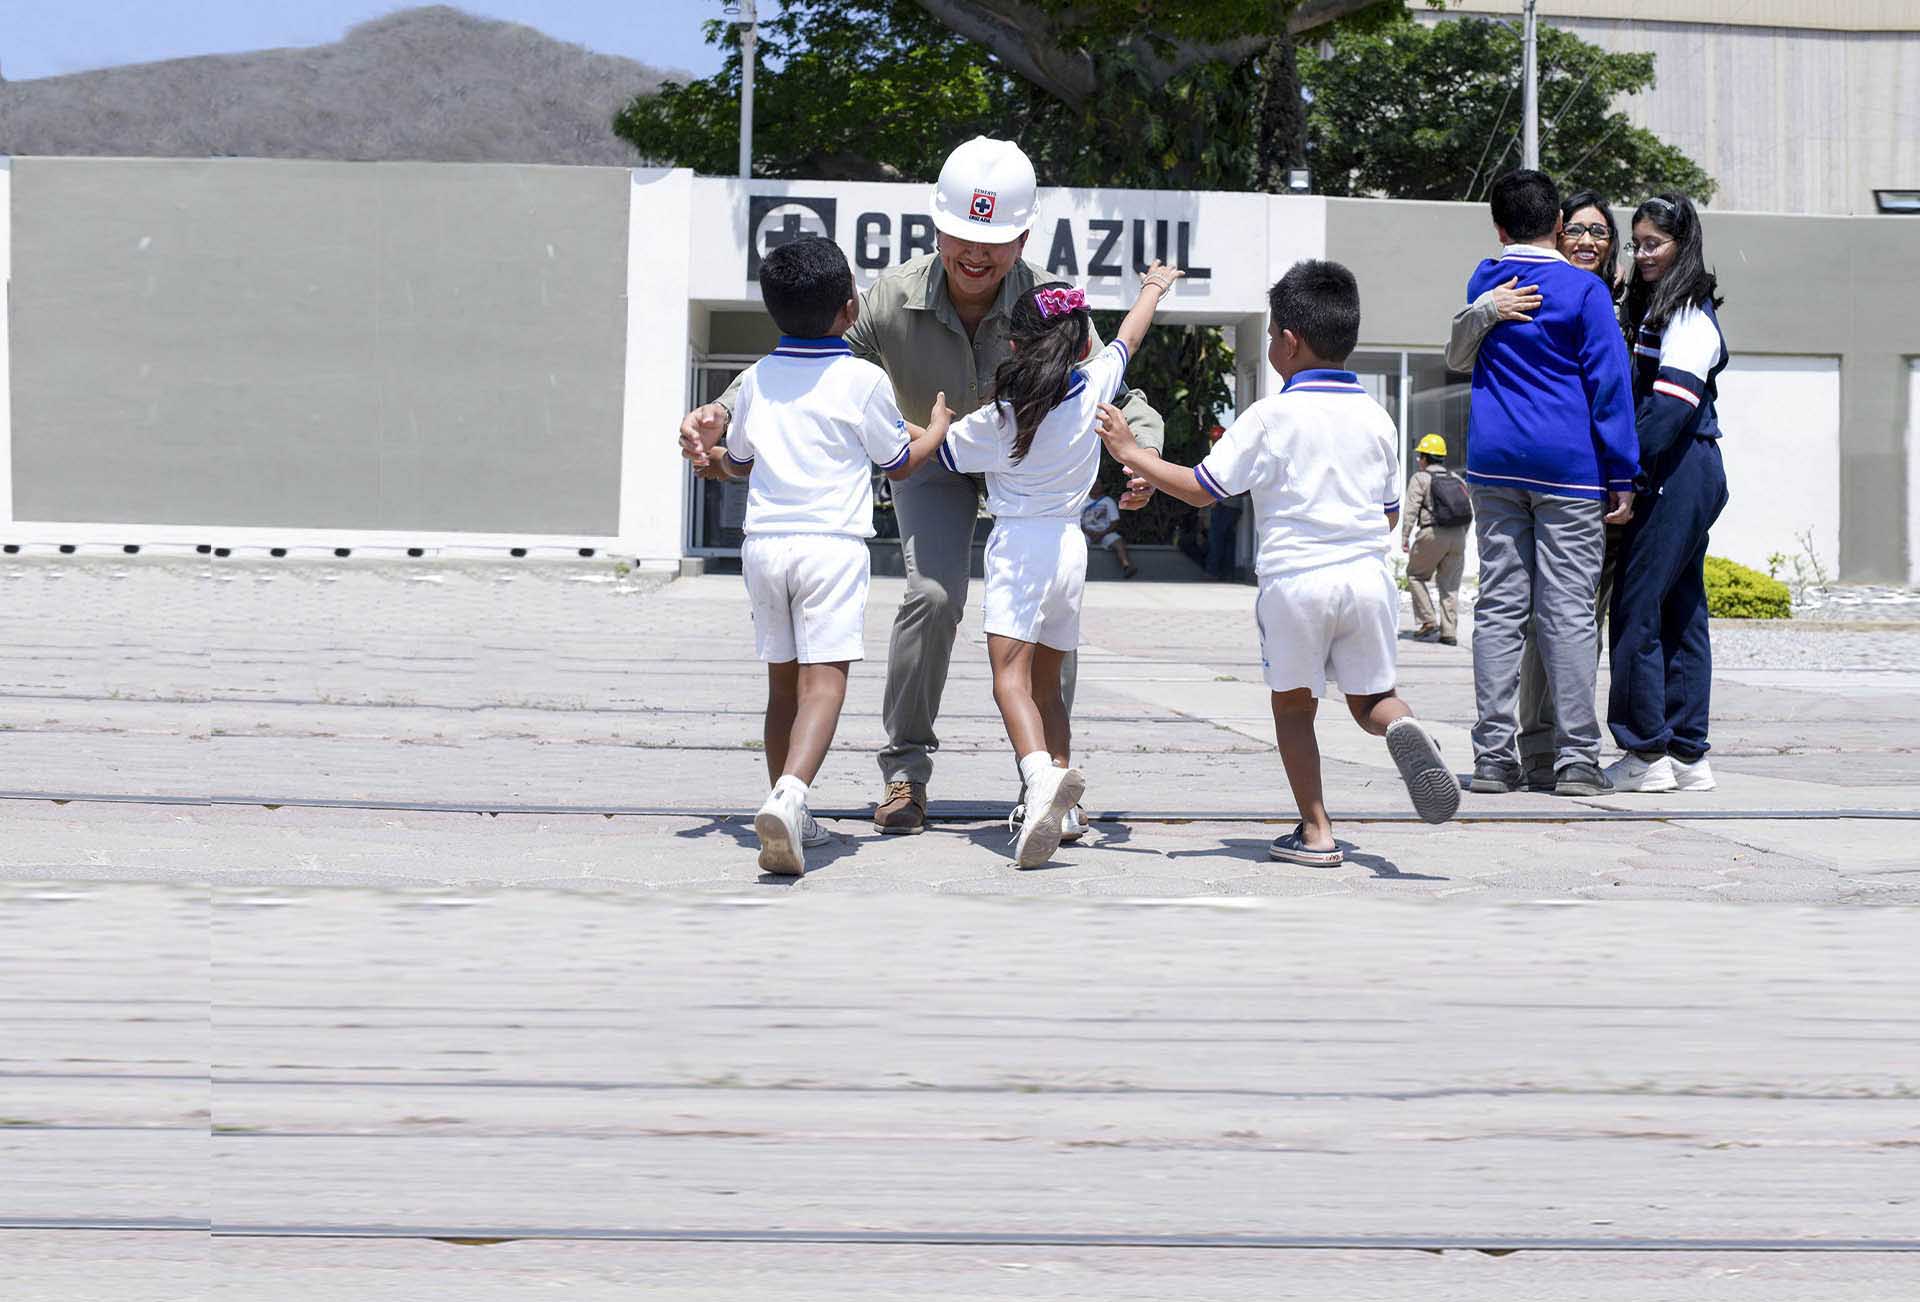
844	90
1433	112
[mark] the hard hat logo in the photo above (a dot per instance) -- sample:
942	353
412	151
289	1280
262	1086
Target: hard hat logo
987	192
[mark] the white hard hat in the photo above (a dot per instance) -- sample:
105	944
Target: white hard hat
985	193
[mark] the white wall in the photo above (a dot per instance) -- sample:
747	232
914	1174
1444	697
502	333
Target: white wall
1913	471
1780	418
652	474
6	386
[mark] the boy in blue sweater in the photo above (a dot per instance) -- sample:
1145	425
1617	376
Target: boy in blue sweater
1551	457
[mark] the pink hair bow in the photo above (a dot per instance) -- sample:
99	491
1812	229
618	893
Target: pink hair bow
1058	302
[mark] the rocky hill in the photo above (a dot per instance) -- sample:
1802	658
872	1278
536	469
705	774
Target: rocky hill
425	84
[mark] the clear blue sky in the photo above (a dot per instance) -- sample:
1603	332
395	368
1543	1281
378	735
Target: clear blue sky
44	38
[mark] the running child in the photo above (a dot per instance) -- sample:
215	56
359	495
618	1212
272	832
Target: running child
1035	440
811	421
1318	458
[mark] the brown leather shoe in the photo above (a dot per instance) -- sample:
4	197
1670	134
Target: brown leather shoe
904	811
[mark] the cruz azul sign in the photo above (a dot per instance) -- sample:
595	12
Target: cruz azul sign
1074	247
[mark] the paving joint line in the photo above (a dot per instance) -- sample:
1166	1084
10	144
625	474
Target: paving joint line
960	813
1495	1245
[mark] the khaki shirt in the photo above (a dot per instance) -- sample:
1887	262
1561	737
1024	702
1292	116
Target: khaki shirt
909	328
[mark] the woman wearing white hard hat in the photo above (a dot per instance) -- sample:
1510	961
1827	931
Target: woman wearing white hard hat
939	324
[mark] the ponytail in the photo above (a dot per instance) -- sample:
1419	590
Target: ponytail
1050	327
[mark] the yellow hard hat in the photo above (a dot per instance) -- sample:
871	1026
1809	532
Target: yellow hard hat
1433	445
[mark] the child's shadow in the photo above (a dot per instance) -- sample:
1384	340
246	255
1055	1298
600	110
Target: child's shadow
740	828
1112	837
1257	850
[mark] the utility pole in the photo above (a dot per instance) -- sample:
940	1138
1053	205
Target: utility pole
1530	94
749	35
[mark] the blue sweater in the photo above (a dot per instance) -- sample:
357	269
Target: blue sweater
1552	397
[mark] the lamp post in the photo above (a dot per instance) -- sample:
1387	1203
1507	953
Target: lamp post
1530	94
749	25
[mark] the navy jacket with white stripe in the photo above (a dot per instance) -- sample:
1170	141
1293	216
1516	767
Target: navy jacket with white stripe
1675	374
1552	397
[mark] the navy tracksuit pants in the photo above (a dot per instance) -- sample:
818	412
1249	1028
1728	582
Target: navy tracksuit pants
1661	655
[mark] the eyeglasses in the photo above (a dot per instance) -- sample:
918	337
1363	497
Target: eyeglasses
1598	230
1648	249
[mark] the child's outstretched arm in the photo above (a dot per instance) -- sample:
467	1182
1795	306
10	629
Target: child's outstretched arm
1145	463
926	440
1156	284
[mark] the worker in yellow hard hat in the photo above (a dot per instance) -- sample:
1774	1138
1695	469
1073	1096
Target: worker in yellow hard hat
1433	533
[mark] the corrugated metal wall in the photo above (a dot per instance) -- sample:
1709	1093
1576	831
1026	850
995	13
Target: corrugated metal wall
1786	119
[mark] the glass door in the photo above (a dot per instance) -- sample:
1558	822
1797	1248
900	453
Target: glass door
716	508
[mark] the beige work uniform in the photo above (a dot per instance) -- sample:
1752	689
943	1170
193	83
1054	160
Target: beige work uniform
1436	554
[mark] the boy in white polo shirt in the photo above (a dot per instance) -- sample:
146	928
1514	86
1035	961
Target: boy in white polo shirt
809	423
1318	459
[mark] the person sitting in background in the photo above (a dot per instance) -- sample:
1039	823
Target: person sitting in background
1433	533
1098	521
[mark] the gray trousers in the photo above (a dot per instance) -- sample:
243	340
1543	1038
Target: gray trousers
936	510
1537	744
1540	559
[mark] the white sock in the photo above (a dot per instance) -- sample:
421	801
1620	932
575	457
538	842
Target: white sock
1032	766
793	786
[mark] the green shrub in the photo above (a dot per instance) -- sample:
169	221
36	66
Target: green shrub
1736	592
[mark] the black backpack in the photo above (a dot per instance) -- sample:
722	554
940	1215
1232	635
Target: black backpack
1447	500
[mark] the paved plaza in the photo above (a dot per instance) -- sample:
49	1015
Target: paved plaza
399	923
606	728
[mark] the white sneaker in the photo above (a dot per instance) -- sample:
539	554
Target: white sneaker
1691	777
1632	773
1049	799
811	833
781	826
1072	827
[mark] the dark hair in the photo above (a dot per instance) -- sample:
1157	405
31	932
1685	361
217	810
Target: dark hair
1688	283
1526	204
1579	199
1320	303
805	283
1034	380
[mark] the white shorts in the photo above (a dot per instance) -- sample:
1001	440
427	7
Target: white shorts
809	596
1106	540
1036	574
1338	621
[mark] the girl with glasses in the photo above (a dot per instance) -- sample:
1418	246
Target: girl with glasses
1662	656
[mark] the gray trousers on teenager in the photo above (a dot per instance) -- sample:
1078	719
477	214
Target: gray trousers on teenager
1540	562
1537	744
936	510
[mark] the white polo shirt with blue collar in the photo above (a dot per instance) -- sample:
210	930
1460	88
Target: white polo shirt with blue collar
812	420
1318	458
1056	476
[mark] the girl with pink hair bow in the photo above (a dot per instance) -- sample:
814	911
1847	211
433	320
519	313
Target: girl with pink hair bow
1036	441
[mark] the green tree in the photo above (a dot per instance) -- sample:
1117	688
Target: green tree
1433	112
1099	92
853	90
